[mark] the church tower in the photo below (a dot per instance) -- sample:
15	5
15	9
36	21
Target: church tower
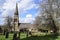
16	19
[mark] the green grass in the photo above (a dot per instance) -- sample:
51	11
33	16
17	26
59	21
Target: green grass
2	37
23	37
45	37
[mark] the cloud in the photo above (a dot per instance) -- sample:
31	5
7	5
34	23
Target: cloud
28	15
2	21
23	5
30	6
7	7
28	19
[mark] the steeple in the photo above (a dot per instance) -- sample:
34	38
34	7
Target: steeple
16	19
16	10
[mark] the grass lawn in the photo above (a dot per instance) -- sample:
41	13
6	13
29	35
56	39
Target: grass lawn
23	37
2	37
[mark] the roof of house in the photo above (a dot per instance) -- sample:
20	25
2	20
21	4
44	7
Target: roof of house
25	25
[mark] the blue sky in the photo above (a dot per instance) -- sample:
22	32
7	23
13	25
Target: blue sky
28	9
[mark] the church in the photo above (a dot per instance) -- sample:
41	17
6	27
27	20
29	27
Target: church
17	25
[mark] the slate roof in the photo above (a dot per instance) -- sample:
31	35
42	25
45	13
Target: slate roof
25	25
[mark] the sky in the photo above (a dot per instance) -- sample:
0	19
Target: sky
28	9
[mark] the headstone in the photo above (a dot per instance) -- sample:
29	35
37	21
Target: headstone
27	33
4	32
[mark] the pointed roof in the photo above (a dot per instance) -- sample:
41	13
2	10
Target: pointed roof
16	10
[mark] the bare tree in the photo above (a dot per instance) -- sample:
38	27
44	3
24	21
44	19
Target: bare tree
48	8
9	21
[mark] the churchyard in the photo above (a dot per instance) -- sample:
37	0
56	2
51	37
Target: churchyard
23	37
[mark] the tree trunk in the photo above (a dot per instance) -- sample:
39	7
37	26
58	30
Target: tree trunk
7	34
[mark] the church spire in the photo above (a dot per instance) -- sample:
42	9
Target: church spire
16	19
16	10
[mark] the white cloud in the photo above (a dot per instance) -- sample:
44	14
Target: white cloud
2	21
28	19
30	6
28	15
23	5
8	6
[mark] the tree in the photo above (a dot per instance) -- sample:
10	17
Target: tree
48	8
50	11
9	22
9	26
37	22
